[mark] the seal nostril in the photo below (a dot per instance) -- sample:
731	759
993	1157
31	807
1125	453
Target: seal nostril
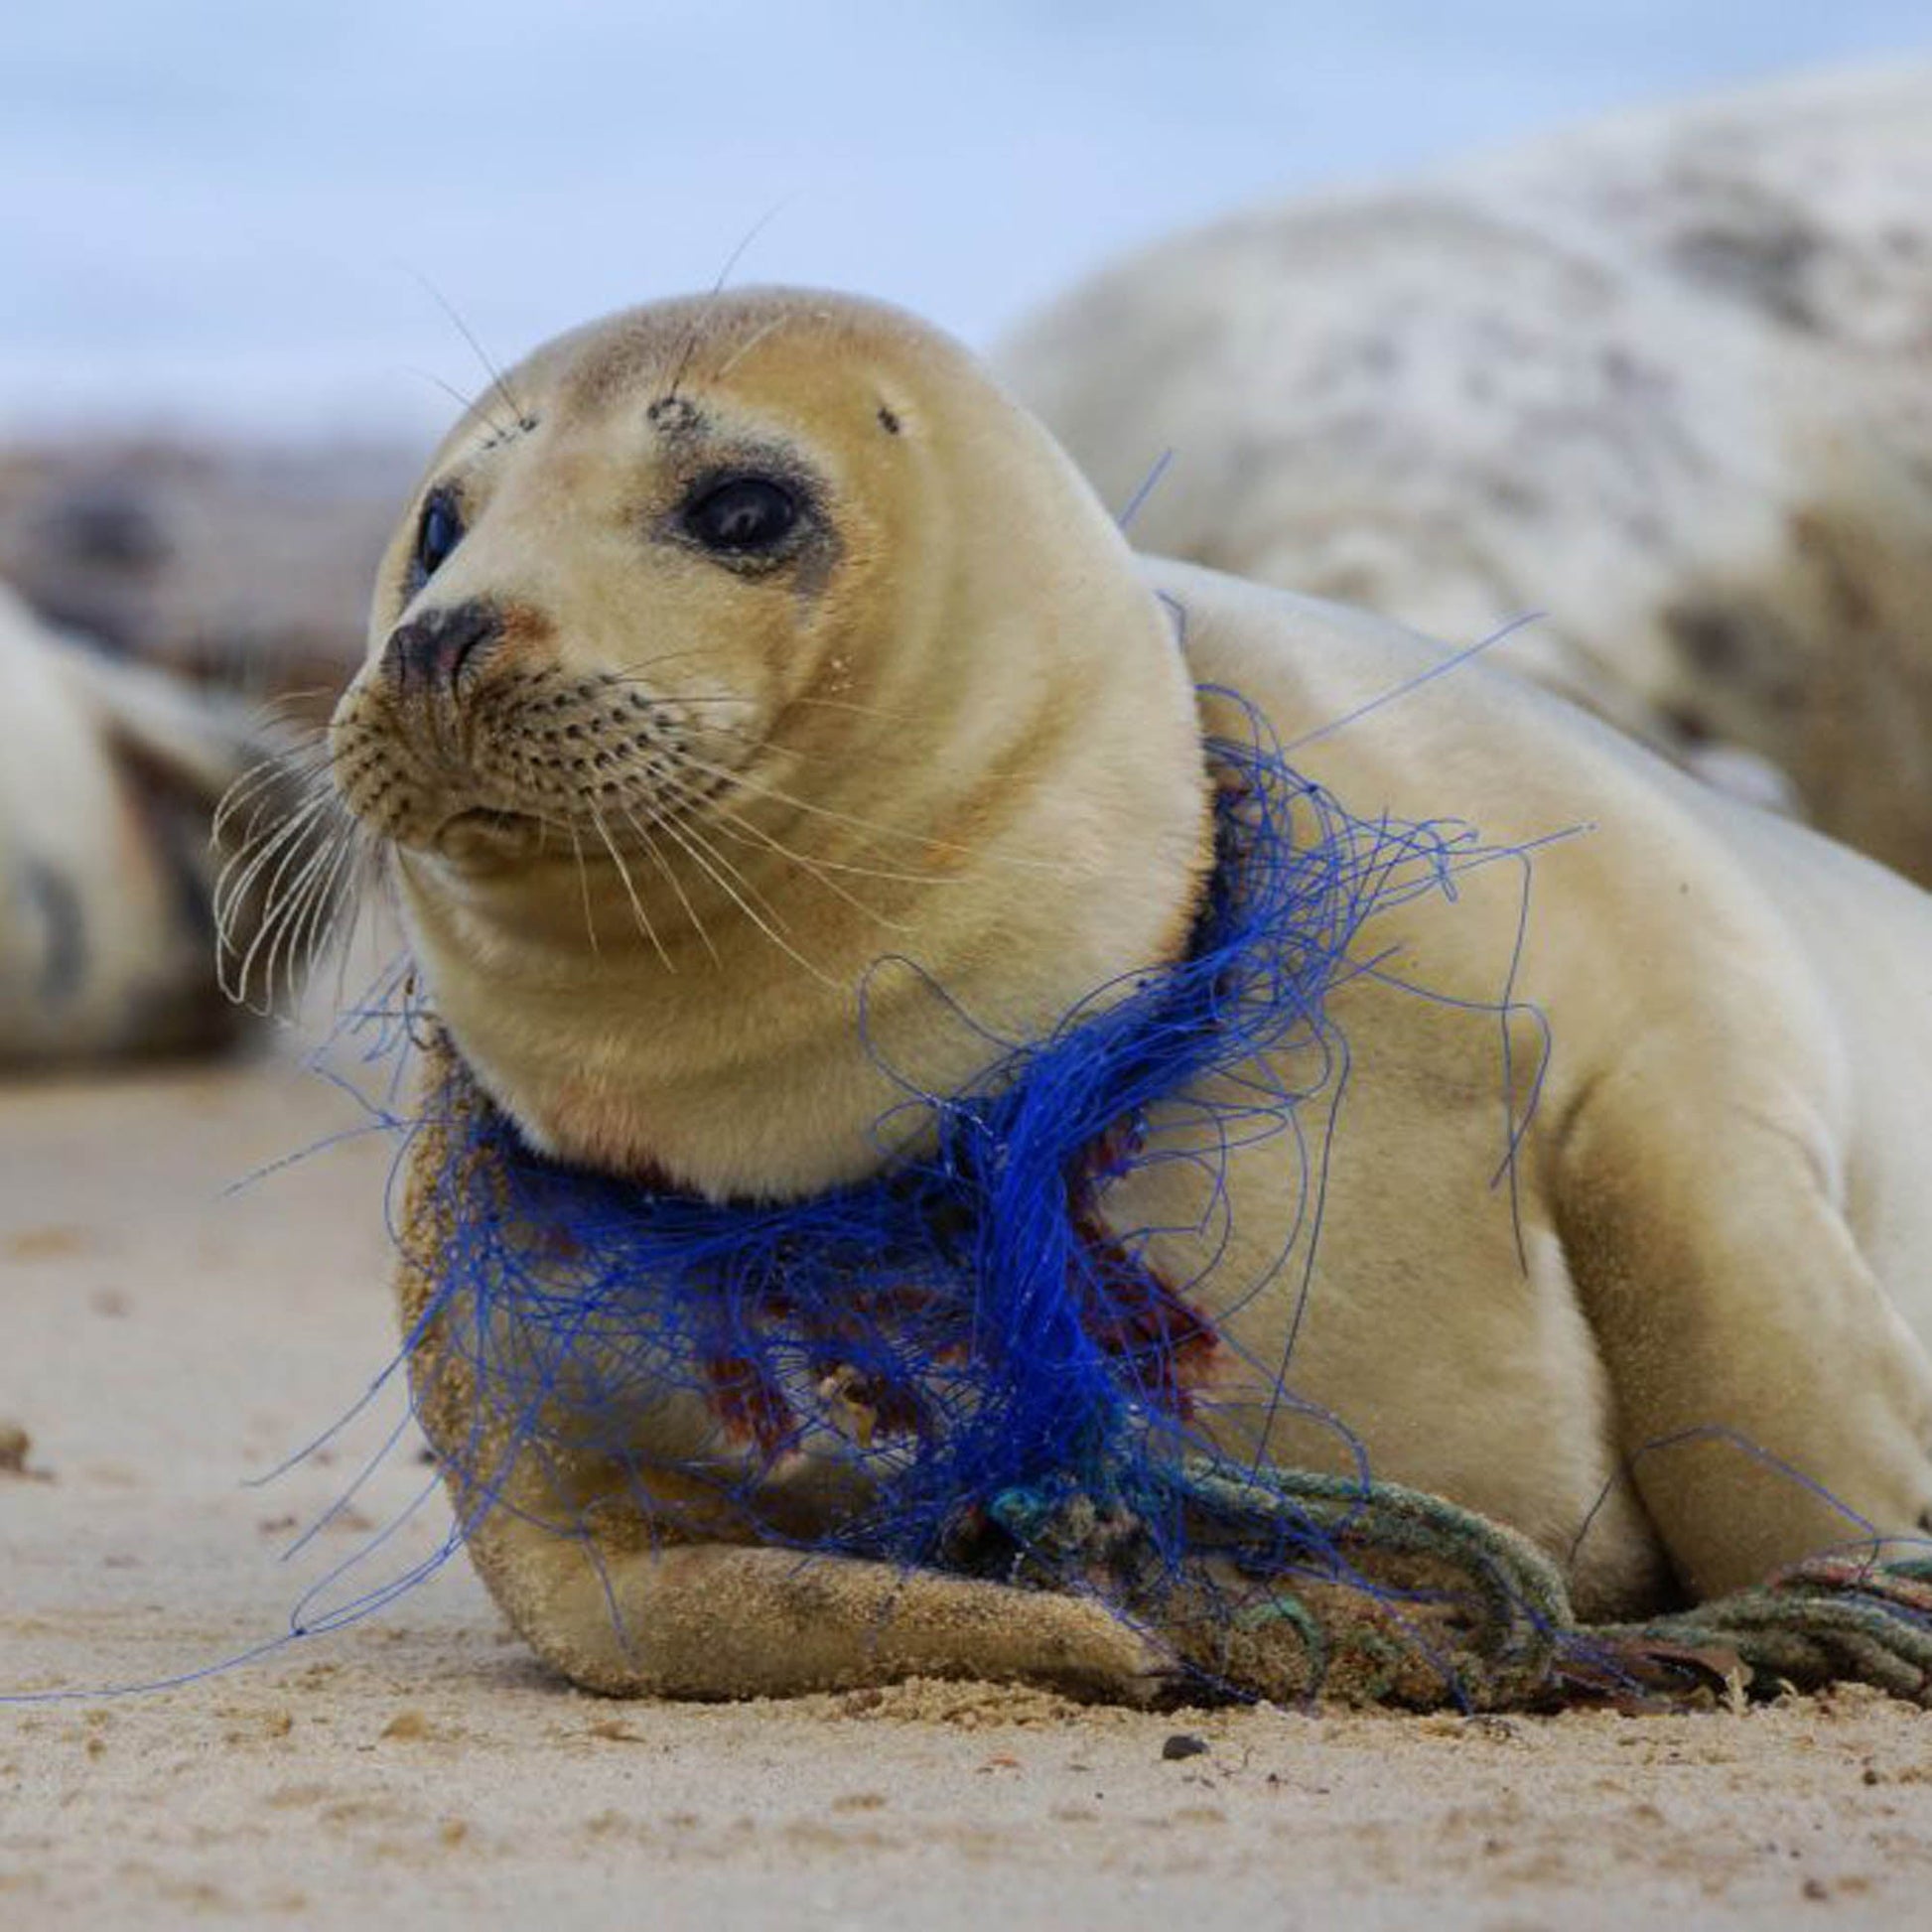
430	652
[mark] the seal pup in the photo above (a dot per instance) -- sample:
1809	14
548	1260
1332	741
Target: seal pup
1660	381
771	643
110	775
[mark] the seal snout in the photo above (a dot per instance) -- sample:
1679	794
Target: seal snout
427	656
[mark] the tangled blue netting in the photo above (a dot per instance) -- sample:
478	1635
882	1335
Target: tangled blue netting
967	1341
977	1352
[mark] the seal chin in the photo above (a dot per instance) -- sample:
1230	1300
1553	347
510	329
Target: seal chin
483	835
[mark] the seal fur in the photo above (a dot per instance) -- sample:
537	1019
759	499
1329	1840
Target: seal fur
110	775
1659	380
955	685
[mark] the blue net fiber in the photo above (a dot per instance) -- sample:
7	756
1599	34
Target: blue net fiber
965	1350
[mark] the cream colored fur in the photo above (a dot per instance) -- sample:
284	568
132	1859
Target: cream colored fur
108	777
973	701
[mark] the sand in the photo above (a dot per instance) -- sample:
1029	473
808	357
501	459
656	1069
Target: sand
163	1342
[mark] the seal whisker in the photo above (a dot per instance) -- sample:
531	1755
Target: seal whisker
372	882
670	698
746	348
692	835
315	900
472	407
279	898
520	416
259	835
878	828
240	873
676	884
819	862
753	742
583	882
287	900
292	713
631	672
310	928
710	305
282	769
777	938
630	890
742	831
285	702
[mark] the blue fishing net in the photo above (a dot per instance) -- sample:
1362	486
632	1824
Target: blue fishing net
966	1360
972	1360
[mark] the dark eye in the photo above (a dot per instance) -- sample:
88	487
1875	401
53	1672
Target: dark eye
438	532
741	517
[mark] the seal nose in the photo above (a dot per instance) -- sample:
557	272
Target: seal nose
429	651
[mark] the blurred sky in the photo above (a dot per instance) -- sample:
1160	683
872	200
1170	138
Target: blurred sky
219	210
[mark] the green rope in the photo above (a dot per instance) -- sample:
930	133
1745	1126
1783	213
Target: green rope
1833	1619
1298	1585
1402	1590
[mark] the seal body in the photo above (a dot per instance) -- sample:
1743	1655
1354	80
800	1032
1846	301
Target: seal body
1658	381
1729	1114
109	774
767	718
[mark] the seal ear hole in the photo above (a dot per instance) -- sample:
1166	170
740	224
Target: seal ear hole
887	421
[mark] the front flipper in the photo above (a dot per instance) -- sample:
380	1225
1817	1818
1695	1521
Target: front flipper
715	1620
1772	1404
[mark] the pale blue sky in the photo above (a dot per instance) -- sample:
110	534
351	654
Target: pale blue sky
218	210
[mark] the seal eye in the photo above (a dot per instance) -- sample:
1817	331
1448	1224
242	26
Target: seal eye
438	532
744	517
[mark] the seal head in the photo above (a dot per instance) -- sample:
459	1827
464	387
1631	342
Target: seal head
763	712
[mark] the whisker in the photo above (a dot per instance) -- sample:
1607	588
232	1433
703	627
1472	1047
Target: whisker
690	829
276	904
237	876
326	902
472	407
630	890
670	828
744	348
584	881
373	873
286	909
739	781
676	884
743	832
667	698
321	910
518	414
259	777
731	260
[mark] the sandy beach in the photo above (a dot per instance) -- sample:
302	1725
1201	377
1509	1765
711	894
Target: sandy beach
168	1341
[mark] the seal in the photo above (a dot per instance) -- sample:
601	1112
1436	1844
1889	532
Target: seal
1658	381
768	715
109	774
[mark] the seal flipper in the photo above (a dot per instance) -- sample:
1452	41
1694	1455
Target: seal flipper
1773	1404
716	1620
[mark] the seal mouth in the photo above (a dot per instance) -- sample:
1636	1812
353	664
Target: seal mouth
486	831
